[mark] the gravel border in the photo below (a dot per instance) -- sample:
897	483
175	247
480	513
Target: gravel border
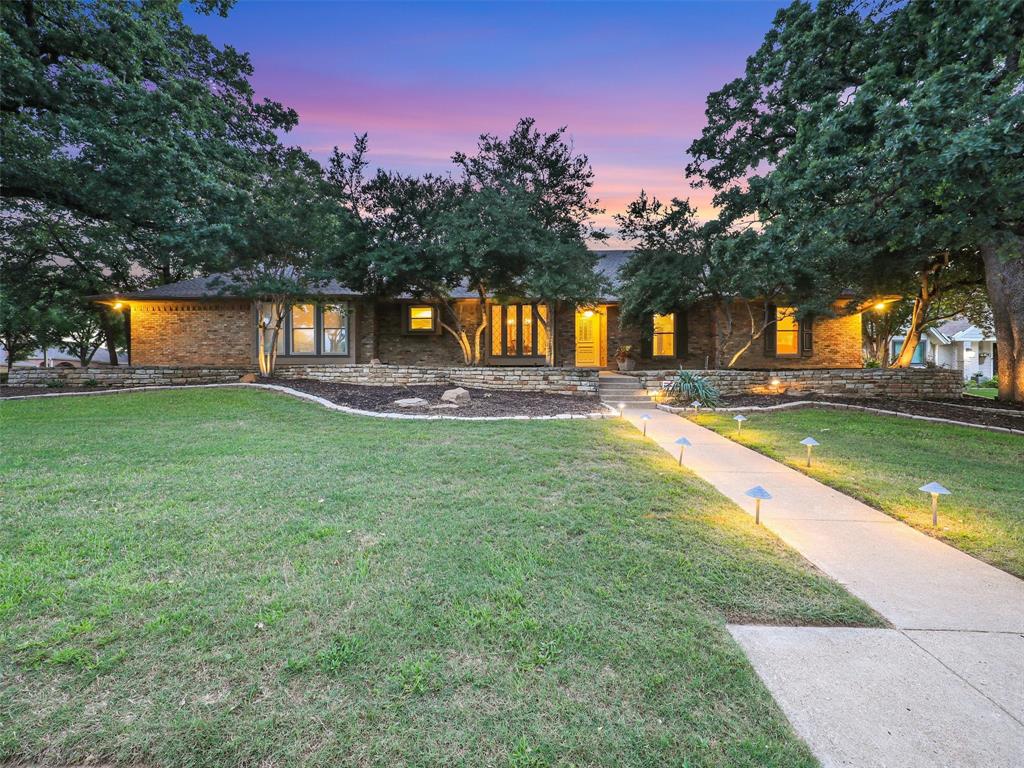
607	414
825	404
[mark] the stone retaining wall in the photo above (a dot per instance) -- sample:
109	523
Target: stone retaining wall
922	383
568	381
121	376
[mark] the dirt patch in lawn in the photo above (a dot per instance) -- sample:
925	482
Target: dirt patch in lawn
482	402
989	413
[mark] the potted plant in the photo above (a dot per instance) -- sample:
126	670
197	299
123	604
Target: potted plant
625	357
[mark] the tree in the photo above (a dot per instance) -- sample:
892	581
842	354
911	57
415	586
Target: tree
27	288
513	223
127	138
707	262
287	232
893	134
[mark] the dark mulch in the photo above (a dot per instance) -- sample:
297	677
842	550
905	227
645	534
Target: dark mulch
482	402
989	413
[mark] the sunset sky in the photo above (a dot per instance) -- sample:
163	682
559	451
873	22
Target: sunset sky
629	80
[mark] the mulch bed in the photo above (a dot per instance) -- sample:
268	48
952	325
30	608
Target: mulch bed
989	413
482	402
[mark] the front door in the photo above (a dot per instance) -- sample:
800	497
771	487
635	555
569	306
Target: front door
588	338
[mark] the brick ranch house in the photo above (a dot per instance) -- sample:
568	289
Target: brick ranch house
194	323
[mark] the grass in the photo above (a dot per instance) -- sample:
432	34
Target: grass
990	392
237	578
883	460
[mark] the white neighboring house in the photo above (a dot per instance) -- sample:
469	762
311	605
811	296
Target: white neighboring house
955	344
57	359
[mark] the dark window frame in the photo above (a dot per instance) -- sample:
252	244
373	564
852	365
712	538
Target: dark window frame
518	306
435	325
318	330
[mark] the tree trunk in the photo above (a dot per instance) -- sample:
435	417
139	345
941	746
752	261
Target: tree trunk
917	316
109	341
1004	278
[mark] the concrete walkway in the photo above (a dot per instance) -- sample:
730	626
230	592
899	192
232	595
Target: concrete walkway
944	687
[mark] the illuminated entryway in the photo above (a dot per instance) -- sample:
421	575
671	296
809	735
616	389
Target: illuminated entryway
591	337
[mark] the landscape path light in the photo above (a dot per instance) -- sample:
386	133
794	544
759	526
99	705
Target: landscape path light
682	442
622	410
810	442
935	490
739	418
757	493
645	418
696	406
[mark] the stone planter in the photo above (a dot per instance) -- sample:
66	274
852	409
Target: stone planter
626	365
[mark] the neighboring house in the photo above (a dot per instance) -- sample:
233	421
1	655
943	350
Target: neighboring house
196	323
955	344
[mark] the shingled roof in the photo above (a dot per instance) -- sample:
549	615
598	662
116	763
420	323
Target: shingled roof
219	286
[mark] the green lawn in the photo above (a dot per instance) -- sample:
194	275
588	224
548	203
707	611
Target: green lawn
234	577
883	460
990	392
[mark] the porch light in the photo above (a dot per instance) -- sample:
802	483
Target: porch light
757	493
810	442
739	418
935	490
645	418
880	306
118	305
588	313
682	442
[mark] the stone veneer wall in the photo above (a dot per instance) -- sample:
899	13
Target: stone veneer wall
570	381
123	376
923	383
865	382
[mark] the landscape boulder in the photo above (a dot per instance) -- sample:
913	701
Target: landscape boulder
459	396
411	402
247	378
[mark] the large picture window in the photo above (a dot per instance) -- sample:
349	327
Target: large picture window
517	330
314	330
664	339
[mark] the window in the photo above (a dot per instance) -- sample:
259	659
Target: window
334	330
314	330
518	330
787	332
421	318
664	341
304	329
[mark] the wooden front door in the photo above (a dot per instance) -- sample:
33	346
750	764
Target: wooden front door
588	338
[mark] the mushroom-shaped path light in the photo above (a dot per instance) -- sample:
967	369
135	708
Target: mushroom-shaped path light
757	493
682	442
935	490
645	418
810	442
739	418
622	410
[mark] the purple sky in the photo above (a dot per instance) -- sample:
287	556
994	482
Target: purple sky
628	79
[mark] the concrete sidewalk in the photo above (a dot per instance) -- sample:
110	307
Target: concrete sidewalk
945	687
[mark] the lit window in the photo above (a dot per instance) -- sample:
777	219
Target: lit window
304	329
664	342
334	334
422	318
787	332
518	330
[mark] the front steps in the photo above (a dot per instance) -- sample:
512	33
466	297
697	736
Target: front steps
615	389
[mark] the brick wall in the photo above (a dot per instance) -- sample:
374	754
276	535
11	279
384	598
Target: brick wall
923	383
437	349
192	334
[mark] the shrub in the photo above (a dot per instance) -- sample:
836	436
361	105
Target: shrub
91	383
54	383
687	386
992	383
872	364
